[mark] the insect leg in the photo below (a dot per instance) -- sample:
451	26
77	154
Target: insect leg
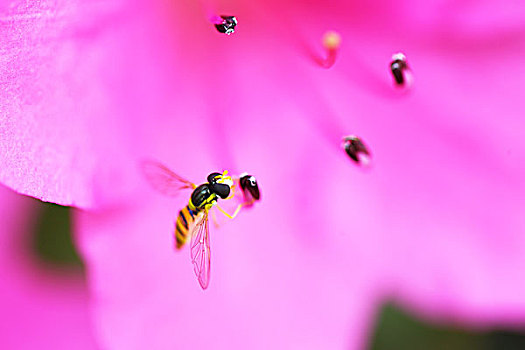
234	213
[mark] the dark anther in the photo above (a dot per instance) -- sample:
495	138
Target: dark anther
249	186
398	67
355	148
227	26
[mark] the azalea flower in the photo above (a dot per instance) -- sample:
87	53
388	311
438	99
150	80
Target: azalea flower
42	307
436	222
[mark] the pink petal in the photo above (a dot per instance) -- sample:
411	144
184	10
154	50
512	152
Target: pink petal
62	83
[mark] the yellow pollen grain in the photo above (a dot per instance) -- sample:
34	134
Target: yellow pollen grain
331	40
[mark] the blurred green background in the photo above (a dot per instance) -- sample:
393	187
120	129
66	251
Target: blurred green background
399	330
395	328
52	240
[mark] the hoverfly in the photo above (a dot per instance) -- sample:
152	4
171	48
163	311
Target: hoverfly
192	220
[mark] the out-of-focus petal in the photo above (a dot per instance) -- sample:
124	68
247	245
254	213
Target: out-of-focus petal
69	103
41	308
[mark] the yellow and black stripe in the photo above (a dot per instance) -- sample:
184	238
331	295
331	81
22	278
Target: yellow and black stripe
186	217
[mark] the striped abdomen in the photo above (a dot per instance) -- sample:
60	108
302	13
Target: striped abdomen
184	220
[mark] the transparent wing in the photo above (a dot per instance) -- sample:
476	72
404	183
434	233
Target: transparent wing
200	250
163	179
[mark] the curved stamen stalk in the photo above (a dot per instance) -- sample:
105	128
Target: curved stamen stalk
331	43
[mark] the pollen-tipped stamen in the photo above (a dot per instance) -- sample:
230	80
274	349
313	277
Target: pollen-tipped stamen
331	43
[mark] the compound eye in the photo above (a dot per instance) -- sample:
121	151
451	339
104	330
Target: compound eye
212	178
221	190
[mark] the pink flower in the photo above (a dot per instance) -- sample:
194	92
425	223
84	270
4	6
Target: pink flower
436	223
42	308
